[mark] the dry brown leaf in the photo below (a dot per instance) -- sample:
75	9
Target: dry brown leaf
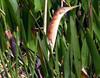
84	73
8	33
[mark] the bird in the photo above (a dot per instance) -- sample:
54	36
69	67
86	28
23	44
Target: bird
54	24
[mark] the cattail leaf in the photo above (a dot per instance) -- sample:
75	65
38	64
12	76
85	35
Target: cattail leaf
13	5
12	9
96	29
94	52
66	58
96	6
75	47
1	11
85	5
84	54
49	4
38	5
96	24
